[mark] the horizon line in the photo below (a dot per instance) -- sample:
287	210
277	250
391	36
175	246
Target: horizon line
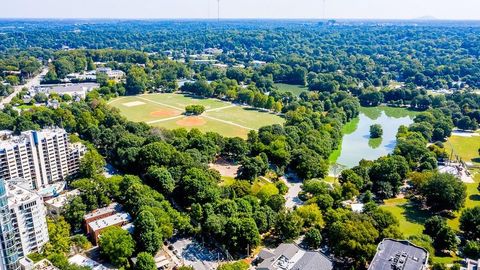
426	19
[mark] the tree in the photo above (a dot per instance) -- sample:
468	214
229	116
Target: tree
147	233
289	225
376	131
235	149
74	212
444	191
240	265
145	261
313	238
308	164
470	223
353	239
194	109
444	238
116	245
40	98
252	167
242	234
161	179
136	80
472	250
91	164
59	235
387	174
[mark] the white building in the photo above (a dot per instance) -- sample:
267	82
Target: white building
28	216
23	226
72	89
56	204
111	73
41	157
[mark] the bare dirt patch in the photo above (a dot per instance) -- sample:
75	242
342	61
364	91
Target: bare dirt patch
165	113
191	121
225	168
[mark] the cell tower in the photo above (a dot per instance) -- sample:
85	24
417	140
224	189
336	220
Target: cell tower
324	10
218	10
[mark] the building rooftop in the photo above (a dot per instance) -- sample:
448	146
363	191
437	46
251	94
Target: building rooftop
399	255
84	261
66	88
292	257
17	194
110	221
62	199
112	208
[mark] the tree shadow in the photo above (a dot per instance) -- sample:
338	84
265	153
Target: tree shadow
474	197
414	214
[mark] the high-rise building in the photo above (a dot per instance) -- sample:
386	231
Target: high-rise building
28	214
23	225
8	249
41	157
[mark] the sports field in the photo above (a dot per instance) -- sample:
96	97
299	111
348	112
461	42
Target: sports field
166	110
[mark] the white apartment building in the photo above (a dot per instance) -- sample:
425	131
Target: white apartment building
41	157
28	216
23	225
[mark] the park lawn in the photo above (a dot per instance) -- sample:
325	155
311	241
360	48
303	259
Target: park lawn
247	117
411	219
296	90
473	199
208	125
464	147
165	110
183	100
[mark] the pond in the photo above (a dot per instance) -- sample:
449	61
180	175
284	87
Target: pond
356	143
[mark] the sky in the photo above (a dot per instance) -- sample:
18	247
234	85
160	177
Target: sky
176	9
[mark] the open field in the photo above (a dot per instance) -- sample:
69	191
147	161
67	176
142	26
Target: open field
296	90
166	110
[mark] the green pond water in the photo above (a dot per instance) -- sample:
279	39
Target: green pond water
356	143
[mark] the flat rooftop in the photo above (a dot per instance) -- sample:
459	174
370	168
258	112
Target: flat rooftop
61	200
399	255
114	207
110	221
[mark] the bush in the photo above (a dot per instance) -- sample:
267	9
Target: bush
194	109
376	131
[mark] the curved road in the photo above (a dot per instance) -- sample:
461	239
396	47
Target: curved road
30	82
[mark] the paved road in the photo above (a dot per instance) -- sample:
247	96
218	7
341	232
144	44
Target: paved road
30	82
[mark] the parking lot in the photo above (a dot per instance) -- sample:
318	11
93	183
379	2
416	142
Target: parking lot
192	253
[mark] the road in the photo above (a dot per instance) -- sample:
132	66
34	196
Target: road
30	82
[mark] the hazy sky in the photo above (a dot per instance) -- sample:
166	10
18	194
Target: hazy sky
365	9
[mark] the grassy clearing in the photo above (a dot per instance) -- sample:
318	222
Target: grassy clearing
465	147
296	90
166	110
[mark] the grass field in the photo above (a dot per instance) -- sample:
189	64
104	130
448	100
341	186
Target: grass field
294	89
166	110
